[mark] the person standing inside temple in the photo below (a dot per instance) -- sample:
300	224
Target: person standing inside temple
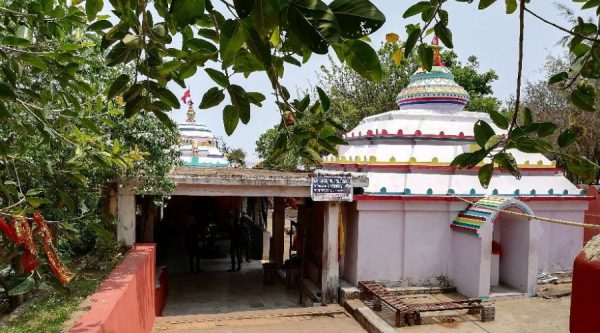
246	222
239	236
191	243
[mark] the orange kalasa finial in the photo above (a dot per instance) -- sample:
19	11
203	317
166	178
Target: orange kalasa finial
435	45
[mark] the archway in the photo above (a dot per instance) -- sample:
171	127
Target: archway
476	228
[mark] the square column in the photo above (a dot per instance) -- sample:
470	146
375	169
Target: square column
278	230
126	214
330	275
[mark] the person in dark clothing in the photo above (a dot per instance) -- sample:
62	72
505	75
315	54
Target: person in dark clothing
191	243
239	236
246	222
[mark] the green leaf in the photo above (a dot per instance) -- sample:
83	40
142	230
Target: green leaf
134	106
186	12
15	41
558	77
357	18
232	39
36	201
483	132
255	98
92	8
485	174
546	129
118	86
507	163
492	142
499	120
164	118
426	57
258	46
67	200
6	92
168	98
325	101
100	25
34	61
213	97
511	6
483	4
20	285
4	113
265	16
444	34
581	166
25	33
118	54
240	102
417	8
243	7
219	77
169	66
583	100
566	138
313	23
526	116
230	119
411	41
360	57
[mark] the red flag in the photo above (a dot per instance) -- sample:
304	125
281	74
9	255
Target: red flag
186	95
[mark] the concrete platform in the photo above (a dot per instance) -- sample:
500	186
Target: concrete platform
217	291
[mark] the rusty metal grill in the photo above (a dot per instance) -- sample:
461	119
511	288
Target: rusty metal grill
409	314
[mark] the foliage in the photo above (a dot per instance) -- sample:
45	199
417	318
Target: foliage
229	39
265	145
54	307
522	132
577	130
62	141
237	157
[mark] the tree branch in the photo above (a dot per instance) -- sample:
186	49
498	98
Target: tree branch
520	66
561	28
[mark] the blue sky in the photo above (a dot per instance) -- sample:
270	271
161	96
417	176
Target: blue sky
491	35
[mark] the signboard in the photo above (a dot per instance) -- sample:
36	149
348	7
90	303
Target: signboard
331	187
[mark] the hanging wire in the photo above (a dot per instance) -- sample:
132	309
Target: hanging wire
539	218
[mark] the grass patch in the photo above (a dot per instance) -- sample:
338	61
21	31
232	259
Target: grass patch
49	313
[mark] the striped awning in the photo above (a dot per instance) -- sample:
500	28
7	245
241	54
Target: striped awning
483	211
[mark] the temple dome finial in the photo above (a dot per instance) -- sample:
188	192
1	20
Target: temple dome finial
434	90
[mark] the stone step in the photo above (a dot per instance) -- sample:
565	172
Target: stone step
245	318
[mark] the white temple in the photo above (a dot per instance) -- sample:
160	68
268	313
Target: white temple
198	145
412	224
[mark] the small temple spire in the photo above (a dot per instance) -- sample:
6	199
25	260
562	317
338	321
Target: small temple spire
435	45
191	114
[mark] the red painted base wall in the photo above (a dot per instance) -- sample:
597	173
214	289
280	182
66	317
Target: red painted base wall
585	300
124	302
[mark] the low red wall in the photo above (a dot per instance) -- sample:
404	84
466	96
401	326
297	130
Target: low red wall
592	215
124	302
585	305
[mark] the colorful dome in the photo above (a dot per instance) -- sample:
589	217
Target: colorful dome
434	90
198	145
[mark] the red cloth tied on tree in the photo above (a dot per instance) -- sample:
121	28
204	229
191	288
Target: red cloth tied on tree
8	231
29	257
62	273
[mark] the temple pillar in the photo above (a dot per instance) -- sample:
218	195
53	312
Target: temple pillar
278	230
330	275
126	214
